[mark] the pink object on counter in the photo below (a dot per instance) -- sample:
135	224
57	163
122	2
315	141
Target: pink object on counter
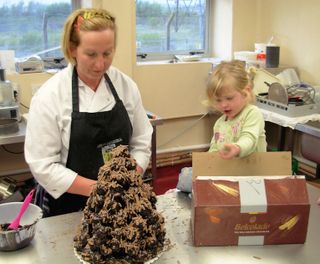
16	222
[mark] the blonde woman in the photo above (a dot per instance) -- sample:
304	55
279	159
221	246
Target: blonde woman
82	112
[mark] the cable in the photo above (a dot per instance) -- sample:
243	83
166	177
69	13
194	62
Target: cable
24	106
11	152
183	131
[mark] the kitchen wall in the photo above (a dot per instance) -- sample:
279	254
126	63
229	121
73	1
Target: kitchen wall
236	26
175	91
295	27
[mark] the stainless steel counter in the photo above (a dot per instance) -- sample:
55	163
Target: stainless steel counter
53	242
310	128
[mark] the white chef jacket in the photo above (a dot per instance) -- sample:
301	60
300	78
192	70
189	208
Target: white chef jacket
49	124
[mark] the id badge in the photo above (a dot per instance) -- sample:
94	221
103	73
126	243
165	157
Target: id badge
107	148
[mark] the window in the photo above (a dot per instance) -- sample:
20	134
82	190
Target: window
33	27
171	27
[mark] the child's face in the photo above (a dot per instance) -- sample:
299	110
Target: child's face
231	102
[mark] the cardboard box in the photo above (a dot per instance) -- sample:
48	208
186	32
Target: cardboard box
248	210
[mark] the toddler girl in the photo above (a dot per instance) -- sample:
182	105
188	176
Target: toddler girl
240	129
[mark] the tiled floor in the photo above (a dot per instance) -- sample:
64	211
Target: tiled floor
167	177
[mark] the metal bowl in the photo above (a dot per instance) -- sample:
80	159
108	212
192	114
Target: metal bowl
15	239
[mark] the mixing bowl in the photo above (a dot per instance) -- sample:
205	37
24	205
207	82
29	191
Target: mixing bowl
16	239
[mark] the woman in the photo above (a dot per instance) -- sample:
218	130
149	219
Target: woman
80	113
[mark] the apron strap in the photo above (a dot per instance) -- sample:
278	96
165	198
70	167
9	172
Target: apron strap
113	90
75	91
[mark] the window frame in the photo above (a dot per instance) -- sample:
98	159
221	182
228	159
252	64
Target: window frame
164	56
75	4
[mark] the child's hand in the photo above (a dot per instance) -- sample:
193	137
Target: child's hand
229	151
318	202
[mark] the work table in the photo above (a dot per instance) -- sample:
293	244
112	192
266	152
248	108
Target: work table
310	128
53	242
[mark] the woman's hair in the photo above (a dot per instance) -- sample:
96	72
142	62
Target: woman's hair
85	19
232	74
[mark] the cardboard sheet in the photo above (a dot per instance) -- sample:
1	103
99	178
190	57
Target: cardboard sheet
258	163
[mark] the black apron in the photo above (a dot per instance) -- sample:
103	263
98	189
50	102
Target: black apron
89	133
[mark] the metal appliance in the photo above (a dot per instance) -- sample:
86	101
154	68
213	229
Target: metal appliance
9	107
9	191
10	112
31	64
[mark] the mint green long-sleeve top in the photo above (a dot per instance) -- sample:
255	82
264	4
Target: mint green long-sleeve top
246	130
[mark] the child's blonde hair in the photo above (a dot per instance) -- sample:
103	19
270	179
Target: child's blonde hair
227	72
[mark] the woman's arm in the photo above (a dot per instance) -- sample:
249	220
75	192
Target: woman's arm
47	135
82	186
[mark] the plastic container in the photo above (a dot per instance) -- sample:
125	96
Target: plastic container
260	49
245	55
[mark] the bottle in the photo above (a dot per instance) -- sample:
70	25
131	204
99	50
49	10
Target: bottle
6	90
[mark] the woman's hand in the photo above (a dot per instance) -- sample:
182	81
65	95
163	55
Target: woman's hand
82	186
229	151
139	170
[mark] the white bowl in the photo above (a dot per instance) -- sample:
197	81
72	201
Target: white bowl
16	239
